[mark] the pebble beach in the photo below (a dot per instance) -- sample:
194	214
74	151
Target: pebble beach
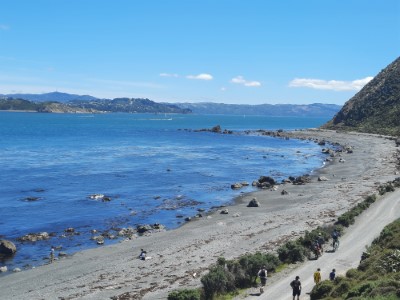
181	256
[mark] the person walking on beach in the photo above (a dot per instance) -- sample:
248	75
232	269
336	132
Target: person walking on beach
263	278
317	276
296	287
332	275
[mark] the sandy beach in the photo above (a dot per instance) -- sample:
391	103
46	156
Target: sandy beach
180	257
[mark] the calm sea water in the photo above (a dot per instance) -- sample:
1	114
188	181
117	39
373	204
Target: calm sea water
147	164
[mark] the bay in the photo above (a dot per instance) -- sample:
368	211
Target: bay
152	167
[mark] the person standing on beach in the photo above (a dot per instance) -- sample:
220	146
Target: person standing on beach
317	276
296	286
51	255
263	278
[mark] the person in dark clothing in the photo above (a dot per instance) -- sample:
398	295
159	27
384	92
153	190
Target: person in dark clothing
332	275
296	287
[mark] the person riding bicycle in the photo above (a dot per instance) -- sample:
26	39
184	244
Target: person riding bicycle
335	237
316	248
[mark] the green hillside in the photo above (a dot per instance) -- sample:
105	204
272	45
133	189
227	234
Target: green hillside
374	109
376	278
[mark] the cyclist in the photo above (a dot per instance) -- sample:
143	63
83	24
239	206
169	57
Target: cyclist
335	237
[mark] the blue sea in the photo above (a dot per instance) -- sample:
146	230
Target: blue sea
152	167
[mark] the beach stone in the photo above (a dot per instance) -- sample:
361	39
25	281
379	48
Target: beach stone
143	228
33	237
253	203
301	180
283	192
16	270
267	179
322	178
3	269
224	211
216	129
62	254
7	248
31	199
236	186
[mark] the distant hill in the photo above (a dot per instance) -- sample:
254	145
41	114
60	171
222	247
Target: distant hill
85	104
75	103
50	97
11	104
311	110
129	105
374	109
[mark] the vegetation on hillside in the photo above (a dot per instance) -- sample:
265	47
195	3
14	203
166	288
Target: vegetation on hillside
377	277
91	106
374	109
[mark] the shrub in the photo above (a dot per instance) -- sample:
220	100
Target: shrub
362	289
352	273
217	281
252	263
341	289
321	290
185	294
292	252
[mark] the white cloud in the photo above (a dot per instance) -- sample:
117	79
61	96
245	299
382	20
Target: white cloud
201	76
335	85
4	27
168	75
241	80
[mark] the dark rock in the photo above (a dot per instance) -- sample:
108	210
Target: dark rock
283	192
31	199
33	237
236	186
216	129
253	203
267	179
7	248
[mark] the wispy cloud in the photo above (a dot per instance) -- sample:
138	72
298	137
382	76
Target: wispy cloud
168	75
4	27
335	85
202	76
241	80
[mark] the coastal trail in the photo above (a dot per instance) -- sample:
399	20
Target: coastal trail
359	235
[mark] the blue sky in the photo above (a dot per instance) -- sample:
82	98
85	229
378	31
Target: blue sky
225	51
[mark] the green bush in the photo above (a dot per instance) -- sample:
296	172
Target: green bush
348	217
217	281
341	288
321	290
292	252
363	289
185	294
252	263
352	273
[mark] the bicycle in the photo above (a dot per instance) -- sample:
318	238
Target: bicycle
335	245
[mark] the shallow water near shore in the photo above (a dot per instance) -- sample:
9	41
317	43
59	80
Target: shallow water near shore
151	168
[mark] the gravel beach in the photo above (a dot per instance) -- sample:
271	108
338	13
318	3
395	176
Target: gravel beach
180	257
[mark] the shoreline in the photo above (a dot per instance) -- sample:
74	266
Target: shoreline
190	249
